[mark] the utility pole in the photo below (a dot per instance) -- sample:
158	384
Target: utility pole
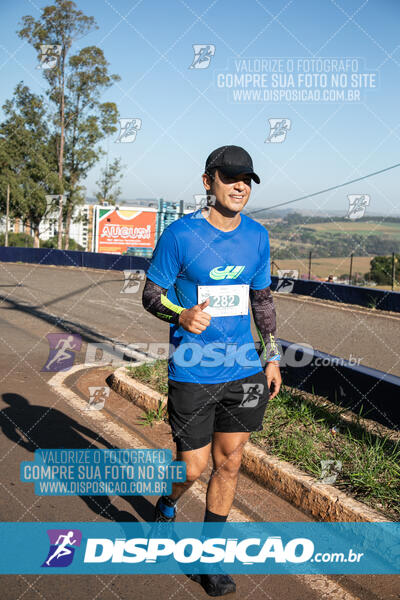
351	268
60	222
309	265
393	270
7	215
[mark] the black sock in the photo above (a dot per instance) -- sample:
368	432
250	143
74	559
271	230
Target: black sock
168	501
211	517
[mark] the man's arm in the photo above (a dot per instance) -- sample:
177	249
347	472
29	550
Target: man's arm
155	301
264	314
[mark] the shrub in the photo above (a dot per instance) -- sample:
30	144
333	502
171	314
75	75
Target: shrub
20	240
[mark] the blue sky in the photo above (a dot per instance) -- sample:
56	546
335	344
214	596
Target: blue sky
185	114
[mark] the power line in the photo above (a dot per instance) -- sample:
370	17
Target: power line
335	187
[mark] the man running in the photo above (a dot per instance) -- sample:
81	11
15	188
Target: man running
205	268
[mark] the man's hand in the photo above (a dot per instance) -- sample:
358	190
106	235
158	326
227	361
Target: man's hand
194	319
273	375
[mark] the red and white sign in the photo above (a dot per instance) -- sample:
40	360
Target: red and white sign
119	229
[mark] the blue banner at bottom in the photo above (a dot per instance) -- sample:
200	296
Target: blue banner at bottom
151	548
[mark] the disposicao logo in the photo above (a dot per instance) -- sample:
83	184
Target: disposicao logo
191	550
62	547
229	272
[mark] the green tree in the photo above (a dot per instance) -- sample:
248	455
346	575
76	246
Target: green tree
381	269
27	157
59	24
109	190
88	121
9	167
75	85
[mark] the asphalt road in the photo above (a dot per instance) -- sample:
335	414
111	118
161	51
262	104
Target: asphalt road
36	301
91	303
370	337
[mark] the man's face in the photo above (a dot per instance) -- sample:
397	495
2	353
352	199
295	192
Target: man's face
231	193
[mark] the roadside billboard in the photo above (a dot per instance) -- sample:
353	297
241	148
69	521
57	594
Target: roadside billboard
117	229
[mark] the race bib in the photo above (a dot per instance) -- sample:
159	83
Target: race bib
225	300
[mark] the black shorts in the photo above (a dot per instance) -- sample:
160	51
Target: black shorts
198	410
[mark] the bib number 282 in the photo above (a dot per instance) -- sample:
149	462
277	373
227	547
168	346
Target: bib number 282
224	301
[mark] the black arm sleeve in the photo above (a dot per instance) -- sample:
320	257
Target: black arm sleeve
264	314
155	301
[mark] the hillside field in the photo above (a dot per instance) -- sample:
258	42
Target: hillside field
391	230
322	267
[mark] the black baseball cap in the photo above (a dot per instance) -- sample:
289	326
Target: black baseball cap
231	160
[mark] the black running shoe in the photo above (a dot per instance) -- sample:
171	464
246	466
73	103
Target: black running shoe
218	584
159	516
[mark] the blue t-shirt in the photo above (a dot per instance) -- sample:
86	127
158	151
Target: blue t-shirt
192	252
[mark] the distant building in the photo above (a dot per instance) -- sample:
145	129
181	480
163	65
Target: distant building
80	228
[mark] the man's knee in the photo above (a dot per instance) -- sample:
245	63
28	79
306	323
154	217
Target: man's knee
195	466
194	470
229	464
196	462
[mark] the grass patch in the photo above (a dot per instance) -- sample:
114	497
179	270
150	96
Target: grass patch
154	416
155	375
305	434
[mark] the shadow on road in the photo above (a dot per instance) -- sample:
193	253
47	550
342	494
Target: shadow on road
87	333
37	427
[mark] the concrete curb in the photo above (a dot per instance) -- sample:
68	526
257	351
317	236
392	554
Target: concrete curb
131	389
322	501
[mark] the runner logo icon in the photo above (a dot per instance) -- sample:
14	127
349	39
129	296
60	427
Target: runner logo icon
252	393
97	397
278	130
330	470
357	205
128	129
50	54
286	280
203	54
133	277
62	547
62	351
